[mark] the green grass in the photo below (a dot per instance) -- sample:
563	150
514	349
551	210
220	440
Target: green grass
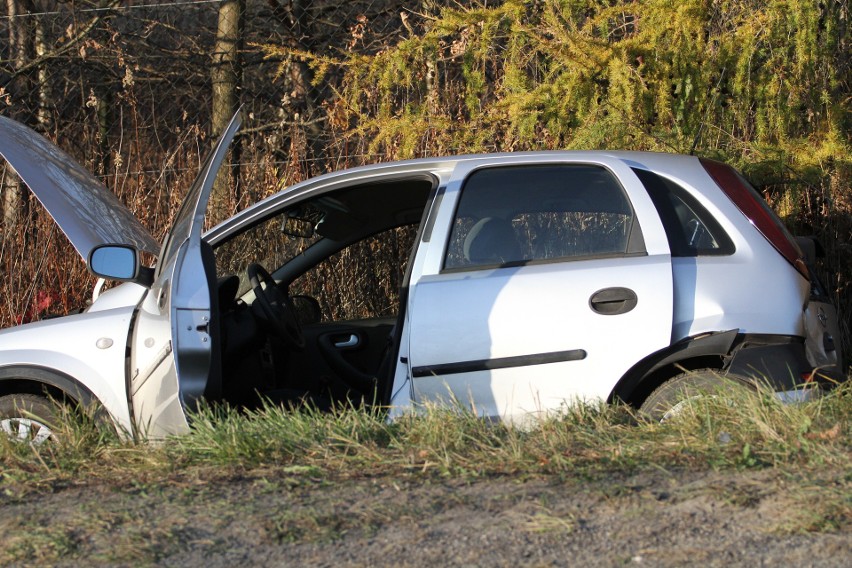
750	430
808	442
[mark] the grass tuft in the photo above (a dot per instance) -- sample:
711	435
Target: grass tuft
809	442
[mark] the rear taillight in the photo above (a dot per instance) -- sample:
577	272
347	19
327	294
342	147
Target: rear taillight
752	205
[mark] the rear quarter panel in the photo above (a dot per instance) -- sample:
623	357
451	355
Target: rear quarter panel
754	290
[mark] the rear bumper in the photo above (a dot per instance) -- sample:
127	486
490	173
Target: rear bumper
778	361
804	394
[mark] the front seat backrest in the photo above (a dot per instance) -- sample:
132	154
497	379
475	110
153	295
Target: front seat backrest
492	241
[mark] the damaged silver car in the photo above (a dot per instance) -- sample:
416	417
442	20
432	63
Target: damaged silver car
527	281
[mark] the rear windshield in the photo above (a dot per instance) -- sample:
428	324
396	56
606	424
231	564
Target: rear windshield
752	205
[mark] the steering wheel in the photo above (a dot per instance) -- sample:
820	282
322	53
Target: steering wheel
276	307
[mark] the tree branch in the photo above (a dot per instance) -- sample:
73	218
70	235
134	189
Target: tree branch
63	49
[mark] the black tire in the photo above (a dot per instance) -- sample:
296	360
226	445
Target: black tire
27	418
663	403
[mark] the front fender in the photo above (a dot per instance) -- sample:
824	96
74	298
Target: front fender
88	348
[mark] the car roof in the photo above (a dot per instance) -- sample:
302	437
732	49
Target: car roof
383	171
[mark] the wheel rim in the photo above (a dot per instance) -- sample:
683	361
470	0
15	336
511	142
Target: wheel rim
677	409
26	430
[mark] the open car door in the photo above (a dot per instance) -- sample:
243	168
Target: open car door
174	340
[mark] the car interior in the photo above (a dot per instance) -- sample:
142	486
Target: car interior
309	298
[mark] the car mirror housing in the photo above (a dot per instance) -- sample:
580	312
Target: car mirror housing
297	227
119	262
307	309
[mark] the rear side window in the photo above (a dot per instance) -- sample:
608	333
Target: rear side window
690	228
516	215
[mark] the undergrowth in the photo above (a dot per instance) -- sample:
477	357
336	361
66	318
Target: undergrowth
747	430
801	452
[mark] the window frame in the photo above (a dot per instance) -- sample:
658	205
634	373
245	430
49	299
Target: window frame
656	184
635	240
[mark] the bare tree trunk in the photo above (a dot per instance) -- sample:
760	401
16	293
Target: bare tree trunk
433	78
226	78
307	131
11	200
43	86
19	39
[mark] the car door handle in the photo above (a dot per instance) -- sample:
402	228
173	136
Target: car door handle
351	341
613	301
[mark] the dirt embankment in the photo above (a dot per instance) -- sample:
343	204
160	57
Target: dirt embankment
286	518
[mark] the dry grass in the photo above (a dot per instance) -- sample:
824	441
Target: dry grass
136	495
750	430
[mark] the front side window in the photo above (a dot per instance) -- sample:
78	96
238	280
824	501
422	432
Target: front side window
271	243
516	215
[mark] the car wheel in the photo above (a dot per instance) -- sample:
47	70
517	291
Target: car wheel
669	399
27	418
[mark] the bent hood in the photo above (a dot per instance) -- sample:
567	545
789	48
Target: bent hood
87	212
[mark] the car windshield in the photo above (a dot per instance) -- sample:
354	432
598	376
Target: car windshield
269	243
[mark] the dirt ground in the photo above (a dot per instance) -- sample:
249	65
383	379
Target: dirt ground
287	517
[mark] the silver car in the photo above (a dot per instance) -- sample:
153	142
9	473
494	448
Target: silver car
519	283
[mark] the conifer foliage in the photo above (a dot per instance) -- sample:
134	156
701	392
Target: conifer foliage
762	84
741	77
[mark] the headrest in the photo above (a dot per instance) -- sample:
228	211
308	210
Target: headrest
492	240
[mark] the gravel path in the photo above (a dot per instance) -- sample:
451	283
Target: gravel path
285	518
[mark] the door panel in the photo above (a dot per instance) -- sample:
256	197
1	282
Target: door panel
173	344
511	328
327	340
527	313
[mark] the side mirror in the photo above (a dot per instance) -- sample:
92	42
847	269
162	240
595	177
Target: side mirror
297	227
307	309
119	262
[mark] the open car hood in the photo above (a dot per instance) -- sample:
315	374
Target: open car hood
88	213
